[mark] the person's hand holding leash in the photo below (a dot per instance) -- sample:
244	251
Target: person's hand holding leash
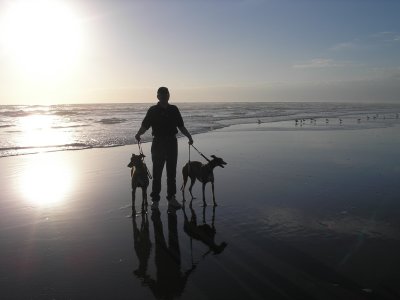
137	137
190	141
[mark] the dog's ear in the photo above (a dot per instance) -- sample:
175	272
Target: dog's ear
213	156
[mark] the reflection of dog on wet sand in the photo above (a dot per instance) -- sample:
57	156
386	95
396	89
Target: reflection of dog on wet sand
204	232
139	178
142	244
203	172
170	280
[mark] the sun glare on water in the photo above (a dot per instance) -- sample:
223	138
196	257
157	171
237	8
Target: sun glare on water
38	131
46	179
46	182
42	38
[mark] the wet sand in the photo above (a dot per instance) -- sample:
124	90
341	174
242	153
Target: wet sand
302	214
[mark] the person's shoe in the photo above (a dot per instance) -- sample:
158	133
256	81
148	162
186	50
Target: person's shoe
154	205
173	203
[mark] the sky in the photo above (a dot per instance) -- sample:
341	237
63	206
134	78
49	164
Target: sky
97	51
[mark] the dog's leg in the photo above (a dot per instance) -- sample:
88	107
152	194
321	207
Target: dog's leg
144	203
142	200
133	199
183	193
185	178
204	197
192	181
191	203
213	193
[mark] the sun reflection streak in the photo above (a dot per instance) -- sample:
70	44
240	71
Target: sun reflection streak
38	131
46	181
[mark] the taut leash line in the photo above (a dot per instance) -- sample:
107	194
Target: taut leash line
199	153
189	161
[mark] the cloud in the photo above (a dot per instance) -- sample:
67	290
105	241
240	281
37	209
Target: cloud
395	73
384	86
386	37
381	34
395	38
344	46
386	73
372	40
321	63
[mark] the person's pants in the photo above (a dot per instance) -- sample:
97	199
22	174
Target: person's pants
164	151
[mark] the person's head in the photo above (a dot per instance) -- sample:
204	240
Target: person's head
163	94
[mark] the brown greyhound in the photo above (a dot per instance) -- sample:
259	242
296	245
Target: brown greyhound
203	172
139	178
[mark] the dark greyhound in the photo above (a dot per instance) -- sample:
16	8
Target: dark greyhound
204	173
139	178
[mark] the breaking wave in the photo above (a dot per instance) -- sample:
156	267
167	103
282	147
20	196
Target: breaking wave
112	121
82	126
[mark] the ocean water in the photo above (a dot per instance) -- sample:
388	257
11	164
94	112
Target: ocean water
28	129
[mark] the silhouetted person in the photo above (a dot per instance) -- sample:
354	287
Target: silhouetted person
170	281
164	119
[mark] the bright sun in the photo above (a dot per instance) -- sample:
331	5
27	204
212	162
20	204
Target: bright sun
43	38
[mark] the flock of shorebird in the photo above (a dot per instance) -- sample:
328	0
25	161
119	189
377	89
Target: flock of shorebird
313	121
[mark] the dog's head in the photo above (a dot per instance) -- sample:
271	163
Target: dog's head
218	161
136	160
217	249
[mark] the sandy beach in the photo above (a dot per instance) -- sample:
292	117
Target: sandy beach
305	214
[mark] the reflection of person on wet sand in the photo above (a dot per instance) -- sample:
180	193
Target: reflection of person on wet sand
170	281
204	232
142	244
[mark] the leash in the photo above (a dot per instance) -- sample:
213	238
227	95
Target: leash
189	161
141	152
199	153
140	148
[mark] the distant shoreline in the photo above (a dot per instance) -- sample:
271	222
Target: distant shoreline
34	129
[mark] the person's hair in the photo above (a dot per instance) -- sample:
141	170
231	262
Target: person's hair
162	90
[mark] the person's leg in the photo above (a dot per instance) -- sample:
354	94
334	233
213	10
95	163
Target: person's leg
172	158
158	158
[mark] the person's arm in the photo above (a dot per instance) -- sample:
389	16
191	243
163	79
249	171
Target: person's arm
146	123
186	133
181	126
140	132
